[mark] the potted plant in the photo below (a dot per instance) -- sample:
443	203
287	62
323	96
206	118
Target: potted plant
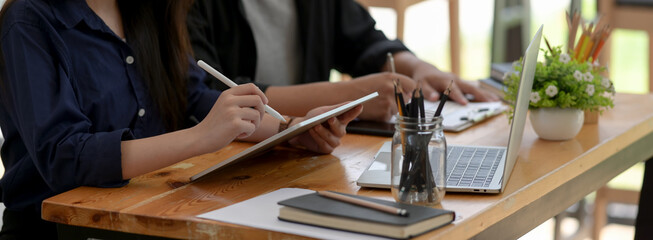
563	88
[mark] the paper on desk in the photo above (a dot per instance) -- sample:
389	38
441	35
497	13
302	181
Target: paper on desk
262	212
458	117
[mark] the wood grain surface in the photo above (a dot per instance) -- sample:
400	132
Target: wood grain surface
546	180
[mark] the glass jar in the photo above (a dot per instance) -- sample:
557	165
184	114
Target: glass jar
418	161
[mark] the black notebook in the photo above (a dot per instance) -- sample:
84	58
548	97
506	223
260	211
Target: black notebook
314	209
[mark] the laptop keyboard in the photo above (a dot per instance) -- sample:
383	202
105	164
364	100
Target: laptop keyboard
472	166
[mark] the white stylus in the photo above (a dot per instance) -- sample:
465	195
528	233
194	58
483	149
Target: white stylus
231	84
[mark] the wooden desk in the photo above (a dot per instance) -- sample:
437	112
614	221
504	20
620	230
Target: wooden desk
548	178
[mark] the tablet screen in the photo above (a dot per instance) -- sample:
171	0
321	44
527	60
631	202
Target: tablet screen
286	135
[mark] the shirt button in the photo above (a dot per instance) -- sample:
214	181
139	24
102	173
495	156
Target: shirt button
141	112
129	59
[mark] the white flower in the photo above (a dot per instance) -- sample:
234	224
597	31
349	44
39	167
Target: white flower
607	95
564	58
506	76
589	90
551	90
590	65
588	77
578	75
596	63
535	97
605	82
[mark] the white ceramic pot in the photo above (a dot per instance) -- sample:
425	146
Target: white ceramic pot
557	124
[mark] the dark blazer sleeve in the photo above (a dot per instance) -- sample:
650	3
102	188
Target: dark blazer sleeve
221	37
362	48
200	34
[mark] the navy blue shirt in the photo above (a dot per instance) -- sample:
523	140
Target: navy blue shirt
72	94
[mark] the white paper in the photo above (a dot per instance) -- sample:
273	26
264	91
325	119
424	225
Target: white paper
262	212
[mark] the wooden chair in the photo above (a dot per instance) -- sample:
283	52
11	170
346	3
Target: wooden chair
634	15
400	7
510	30
604	196
629	14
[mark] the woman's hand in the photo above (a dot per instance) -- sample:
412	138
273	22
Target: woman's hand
325	137
439	81
236	114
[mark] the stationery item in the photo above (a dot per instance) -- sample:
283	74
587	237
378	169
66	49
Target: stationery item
591	40
572	23
457	117
418	161
263	212
493	86
231	84
495	83
285	135
399	99
416	104
463	162
420	98
364	203
602	37
314	209
443	100
391	61
570	40
366	127
499	70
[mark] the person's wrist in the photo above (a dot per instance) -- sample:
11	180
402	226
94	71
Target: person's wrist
198	135
284	125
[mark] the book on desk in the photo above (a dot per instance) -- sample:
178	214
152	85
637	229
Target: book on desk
314	209
495	83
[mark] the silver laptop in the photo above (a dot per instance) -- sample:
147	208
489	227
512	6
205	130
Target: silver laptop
474	168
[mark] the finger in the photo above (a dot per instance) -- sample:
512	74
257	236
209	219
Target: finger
249	89
336	127
244	101
351	114
252	115
457	95
323	139
251	101
245	128
261	110
430	94
327	134
393	110
408	85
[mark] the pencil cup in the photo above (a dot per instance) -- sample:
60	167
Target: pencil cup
418	161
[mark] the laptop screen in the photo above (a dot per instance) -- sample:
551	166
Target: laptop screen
521	104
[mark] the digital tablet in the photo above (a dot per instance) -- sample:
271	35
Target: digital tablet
383	129
285	135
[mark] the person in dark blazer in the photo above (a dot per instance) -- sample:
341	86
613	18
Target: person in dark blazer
289	47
